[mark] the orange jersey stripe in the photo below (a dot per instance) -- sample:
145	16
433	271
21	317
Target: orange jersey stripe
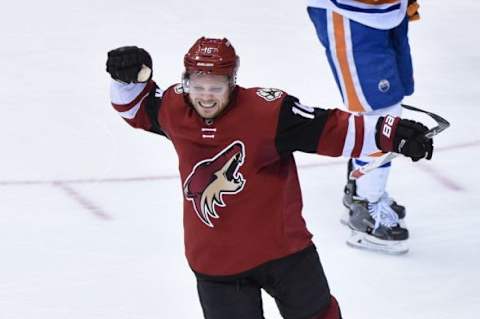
376	154
354	104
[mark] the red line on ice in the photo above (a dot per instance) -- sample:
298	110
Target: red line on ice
82	200
175	176
65	185
441	178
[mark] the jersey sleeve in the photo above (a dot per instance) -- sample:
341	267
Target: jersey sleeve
138	104
330	132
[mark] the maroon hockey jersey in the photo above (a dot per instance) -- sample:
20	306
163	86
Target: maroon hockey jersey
242	200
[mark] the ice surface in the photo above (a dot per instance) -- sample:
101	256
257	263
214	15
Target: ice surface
90	209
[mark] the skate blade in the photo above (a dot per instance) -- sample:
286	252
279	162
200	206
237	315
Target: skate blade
368	242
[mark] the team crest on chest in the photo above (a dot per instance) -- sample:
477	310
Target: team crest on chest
269	94
212	178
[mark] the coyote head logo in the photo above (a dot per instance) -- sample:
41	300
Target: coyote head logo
210	179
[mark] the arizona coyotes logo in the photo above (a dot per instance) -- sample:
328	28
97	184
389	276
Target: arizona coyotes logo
210	179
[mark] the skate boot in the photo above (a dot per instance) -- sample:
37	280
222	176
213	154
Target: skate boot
375	226
350	194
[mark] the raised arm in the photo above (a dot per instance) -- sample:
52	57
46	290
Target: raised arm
333	132
134	95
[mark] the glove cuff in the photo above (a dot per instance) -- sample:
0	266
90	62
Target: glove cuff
386	130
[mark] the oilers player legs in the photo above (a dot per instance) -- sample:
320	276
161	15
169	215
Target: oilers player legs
367	47
242	203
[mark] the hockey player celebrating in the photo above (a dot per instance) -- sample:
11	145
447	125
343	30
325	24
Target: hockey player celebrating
368	51
243	222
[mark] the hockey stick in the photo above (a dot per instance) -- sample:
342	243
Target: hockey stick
442	124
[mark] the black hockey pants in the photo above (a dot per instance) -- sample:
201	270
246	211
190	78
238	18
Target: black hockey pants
296	282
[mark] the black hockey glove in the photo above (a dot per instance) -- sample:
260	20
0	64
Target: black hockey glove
403	136
125	63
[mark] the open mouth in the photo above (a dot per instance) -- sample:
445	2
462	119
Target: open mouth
231	173
207	105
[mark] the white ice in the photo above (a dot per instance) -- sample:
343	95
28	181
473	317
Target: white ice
90	209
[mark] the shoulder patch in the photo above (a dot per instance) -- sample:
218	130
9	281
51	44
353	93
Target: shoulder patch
178	88
269	94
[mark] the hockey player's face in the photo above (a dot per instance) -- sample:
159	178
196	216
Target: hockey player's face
209	94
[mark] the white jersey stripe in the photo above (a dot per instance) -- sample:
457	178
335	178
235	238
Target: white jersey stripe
358	4
369	137
298	111
306	108
350	138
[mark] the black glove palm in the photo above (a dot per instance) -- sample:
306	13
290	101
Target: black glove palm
404	136
125	63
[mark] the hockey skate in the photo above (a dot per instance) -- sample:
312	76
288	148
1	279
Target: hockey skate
349	196
375	226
